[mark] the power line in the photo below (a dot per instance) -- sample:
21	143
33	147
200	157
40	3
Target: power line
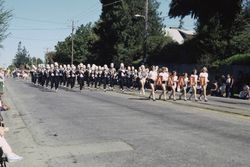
36	20
106	5
89	13
93	7
109	4
72	42
32	39
13	29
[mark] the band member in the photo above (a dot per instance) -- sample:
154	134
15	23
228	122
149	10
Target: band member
77	74
152	76
68	78
99	76
105	74
164	74
47	75
193	83
112	76
87	75
33	74
56	76
39	74
72	76
129	77
173	82
134	76
143	75
64	78
183	83
203	78
52	76
61	72
92	75
81	76
43	75
122	76
96	75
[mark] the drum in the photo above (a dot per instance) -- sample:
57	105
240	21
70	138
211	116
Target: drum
202	81
159	81
170	81
181	82
192	81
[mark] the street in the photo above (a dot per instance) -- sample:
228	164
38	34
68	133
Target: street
109	129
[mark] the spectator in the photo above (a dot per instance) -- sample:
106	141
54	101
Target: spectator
222	85
6	147
245	93
232	86
1	81
215	89
3	143
228	85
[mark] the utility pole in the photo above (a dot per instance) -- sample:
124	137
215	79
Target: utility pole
145	33
72	43
46	55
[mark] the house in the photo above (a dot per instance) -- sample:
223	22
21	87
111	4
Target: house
179	35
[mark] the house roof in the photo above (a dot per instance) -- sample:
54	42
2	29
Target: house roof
179	35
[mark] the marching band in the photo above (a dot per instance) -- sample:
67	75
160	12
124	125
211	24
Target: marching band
95	76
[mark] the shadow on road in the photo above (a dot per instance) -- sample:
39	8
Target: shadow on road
138	98
42	89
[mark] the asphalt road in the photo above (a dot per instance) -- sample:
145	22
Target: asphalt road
109	129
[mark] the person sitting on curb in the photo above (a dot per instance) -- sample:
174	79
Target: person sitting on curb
11	156
245	93
215	89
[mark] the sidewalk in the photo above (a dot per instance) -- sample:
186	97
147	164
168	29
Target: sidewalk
19	137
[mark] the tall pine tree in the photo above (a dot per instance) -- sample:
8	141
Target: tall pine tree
22	57
120	33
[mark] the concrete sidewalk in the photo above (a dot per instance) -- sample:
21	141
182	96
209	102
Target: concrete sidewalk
19	137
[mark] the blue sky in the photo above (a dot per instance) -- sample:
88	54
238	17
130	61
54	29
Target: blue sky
40	24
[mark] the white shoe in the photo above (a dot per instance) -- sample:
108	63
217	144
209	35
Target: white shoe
13	158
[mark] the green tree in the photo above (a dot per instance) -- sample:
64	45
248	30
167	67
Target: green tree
224	11
50	57
241	32
5	16
120	35
22	57
215	25
35	61
63	52
83	41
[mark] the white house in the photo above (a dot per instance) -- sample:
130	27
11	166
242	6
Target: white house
179	35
